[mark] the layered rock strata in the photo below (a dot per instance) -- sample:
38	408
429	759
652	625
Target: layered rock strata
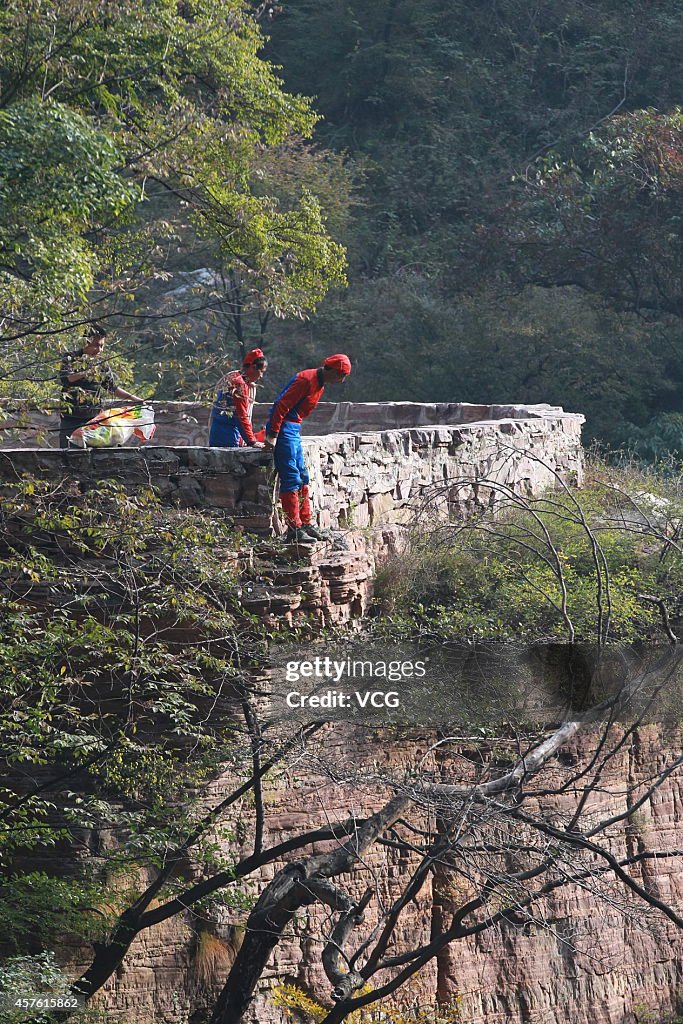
580	957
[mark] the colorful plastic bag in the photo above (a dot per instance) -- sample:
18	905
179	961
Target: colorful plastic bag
112	428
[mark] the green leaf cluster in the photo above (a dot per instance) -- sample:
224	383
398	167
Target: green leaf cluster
123	639
567	567
126	128
59	179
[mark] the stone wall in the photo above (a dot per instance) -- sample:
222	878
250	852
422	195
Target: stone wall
369	478
187	423
393	476
371	484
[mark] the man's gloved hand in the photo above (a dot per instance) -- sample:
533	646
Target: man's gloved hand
270	441
256	444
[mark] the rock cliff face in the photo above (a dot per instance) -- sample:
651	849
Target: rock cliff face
584	959
579	959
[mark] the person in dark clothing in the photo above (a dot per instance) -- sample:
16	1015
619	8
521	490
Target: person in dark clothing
86	381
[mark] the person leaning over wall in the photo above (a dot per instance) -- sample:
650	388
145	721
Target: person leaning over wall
86	380
296	401
231	415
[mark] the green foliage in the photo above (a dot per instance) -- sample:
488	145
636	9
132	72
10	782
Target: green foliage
540	345
450	114
644	1014
661	440
609	218
35	975
38	906
565	567
58	180
121	626
104	111
284	258
448	107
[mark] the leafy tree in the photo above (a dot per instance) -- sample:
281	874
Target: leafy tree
608	220
449	108
131	101
59	179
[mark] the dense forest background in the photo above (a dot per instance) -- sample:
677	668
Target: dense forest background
451	115
506	179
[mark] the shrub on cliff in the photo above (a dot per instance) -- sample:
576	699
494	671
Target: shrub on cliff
117	695
599	564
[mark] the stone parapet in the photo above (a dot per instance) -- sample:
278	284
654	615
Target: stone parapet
371	478
356	417
394	476
187	423
238	481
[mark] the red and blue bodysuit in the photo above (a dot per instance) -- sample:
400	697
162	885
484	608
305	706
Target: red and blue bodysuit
231	414
296	401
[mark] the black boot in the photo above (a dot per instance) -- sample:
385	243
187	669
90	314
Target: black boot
315	532
298	535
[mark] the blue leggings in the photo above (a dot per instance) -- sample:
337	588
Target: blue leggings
289	458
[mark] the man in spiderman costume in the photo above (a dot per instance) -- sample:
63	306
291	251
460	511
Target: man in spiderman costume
296	401
231	414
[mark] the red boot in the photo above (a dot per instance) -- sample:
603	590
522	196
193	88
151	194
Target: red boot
295	531
304	505
290	506
306	513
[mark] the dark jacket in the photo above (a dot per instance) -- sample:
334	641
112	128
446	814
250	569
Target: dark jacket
83	398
